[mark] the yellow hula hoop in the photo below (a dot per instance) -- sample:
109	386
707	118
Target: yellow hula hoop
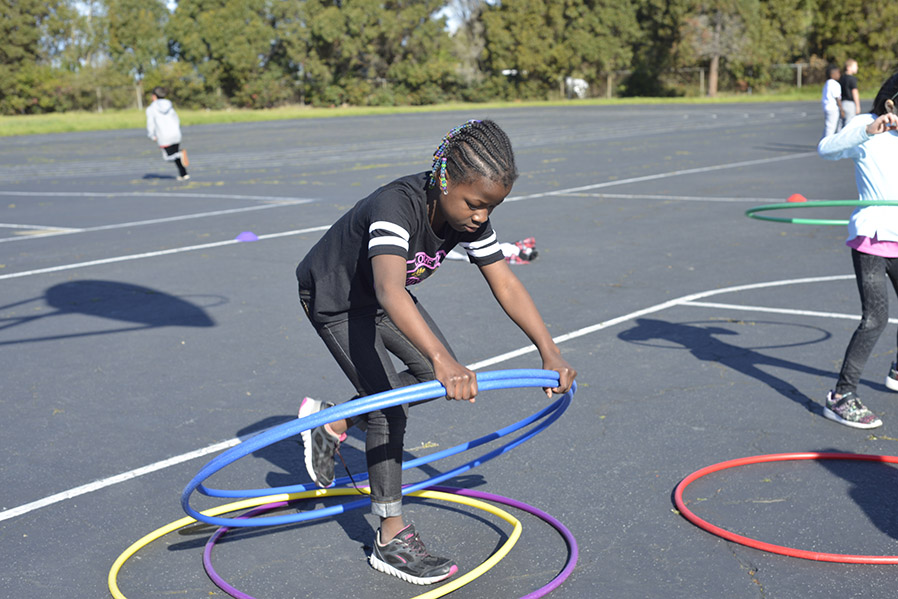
494	559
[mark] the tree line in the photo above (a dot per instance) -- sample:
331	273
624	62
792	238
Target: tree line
60	55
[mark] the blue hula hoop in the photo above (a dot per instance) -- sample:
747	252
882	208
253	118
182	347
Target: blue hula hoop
503	379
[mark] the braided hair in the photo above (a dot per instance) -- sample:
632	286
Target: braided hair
471	150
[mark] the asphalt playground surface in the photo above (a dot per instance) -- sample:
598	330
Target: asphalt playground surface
138	339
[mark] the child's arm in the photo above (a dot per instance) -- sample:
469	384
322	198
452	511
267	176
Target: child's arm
883	123
844	144
151	126
517	303
389	287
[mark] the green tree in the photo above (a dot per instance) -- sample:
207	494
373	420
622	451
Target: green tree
720	30
370	51
540	42
658	47
34	33
468	41
229	42
136	38
777	33
852	29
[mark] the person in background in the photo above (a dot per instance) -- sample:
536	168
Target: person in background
164	127
831	101
851	99
871	142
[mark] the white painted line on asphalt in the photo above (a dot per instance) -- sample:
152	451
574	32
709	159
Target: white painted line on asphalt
686	299
175	194
689	171
139	223
35	230
780	311
656	308
513	199
180	250
114	480
634	196
38	227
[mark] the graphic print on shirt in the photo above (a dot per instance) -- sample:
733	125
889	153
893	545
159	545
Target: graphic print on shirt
422	266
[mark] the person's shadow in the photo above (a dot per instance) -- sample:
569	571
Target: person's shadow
873	489
137	306
703	342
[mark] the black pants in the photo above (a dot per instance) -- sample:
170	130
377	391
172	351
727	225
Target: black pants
873	274
362	346
175	150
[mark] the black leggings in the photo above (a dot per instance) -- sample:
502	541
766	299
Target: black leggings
873	274
172	150
362	346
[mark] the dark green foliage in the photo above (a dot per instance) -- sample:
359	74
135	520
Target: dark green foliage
63	55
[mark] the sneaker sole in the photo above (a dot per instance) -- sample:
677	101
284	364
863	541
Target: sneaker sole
891	383
386	568
308	407
836	418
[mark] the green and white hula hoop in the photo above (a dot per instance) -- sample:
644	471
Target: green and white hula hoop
753	212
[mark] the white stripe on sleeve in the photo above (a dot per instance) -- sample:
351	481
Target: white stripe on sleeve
483	247
383	225
383	232
388	240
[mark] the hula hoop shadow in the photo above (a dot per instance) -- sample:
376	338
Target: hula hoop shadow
753	212
502	379
769	547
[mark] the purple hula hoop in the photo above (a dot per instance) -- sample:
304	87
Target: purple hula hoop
573	550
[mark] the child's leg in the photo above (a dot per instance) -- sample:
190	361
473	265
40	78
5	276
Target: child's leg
175	150
870	272
362	347
892	272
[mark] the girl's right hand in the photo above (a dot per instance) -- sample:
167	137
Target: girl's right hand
460	383
886	122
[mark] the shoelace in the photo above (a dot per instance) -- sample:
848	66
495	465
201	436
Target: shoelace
854	405
348	471
415	545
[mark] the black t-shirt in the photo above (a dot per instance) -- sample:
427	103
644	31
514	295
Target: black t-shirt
337	271
848	83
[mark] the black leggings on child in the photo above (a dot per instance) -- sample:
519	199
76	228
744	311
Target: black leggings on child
171	151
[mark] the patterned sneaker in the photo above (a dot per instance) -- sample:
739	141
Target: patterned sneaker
892	379
849	410
406	557
528	249
319	445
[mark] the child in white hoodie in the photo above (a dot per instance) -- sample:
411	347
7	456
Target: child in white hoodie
164	127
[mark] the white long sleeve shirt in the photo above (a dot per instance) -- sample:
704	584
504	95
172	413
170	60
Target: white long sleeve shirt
875	172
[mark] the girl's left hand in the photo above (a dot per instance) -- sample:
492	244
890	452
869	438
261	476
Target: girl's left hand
566	374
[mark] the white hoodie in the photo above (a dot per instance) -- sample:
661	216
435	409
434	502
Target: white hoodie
163	123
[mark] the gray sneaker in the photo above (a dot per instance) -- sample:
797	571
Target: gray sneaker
849	410
319	445
405	557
